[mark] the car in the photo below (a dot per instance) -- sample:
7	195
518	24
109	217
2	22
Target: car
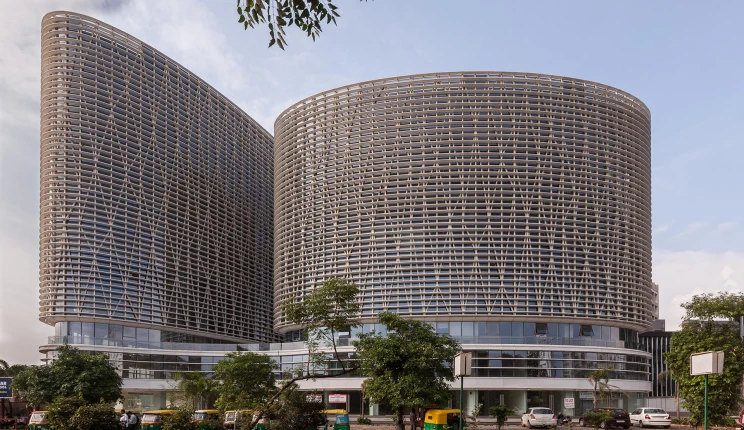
740	422
618	418
539	417
650	417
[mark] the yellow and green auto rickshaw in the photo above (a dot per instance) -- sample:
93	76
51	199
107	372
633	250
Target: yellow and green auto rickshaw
153	420
233	418
442	419
341	421
38	421
204	416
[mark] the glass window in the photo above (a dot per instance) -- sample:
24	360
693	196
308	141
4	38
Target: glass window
492	328
575	330
480	329
505	328
530	329
101	330
129	333
541	328
564	330
114	332
75	329
154	336
596	331
587	331
606	333
467	329
143	335
517	329
552	330
455	328
443	328
89	329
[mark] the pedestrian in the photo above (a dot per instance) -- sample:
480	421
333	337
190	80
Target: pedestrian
124	420
132	422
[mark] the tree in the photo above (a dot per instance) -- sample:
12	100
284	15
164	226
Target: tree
73	373
700	333
180	420
408	368
500	412
307	15
200	391
600	380
246	380
97	416
62	409
595	418
330	309
294	411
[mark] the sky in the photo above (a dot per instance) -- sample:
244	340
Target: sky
682	58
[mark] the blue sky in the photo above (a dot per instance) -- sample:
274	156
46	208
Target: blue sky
682	58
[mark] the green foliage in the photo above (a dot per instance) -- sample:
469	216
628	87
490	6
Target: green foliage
596	418
294	412
200	391
62	410
71	374
308	16
364	421
180	420
501	413
97	416
331	308
723	390
247	380
600	380
11	370
706	307
474	422
408	367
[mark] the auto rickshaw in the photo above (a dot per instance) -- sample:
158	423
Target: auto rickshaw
153	420
233	418
342	419
38	421
442	419
204	416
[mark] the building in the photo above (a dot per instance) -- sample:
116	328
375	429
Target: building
156	199
509	210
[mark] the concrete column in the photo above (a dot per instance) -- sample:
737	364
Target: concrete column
374	409
471	401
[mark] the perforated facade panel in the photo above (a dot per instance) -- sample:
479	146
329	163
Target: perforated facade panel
156	191
469	196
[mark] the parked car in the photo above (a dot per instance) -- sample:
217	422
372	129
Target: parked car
740	424
539	417
650	417
618	418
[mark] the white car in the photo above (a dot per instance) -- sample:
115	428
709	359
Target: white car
650	417
539	417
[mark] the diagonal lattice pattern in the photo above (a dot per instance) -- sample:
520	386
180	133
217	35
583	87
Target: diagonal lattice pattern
469	196
156	191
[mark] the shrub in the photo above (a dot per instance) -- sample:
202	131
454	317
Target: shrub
180	420
365	421
595	419
62	410
501	412
97	416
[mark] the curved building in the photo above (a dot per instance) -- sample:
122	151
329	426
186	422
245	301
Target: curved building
470	197
156	197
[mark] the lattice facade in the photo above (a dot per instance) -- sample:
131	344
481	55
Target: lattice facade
156	191
469	196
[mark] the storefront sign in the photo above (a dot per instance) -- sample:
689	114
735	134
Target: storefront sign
569	403
337	398
6	388
586	395
315	398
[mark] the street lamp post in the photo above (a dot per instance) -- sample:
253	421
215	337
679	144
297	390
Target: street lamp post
463	363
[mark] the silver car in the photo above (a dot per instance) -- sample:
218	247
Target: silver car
539	417
650	417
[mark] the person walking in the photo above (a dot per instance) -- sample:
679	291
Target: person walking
133	421
124	420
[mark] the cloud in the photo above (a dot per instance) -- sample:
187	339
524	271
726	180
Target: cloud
683	274
690	229
725	226
663	228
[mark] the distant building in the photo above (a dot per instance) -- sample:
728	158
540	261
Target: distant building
658	342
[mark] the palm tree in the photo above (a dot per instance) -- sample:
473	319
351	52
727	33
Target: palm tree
600	380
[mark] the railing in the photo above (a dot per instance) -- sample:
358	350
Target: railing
345	341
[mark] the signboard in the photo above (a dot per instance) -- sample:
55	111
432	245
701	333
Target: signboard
337	398
586	395
6	388
569	403
706	363
315	398
463	364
